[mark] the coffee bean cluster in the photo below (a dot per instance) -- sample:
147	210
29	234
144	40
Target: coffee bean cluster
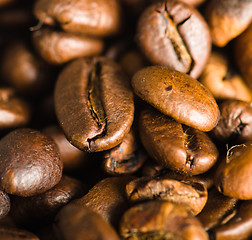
126	119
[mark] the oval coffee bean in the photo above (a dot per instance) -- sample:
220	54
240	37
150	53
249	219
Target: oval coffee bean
160	220
233	176
4	204
191	195
94	103
16	234
173	34
186	150
88	17
29	163
177	95
235	124
57	47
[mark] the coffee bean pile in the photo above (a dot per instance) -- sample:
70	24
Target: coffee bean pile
126	119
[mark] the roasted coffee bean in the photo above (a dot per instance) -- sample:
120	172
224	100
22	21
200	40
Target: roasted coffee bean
192	195
107	198
94	104
57	47
217	210
239	227
160	220
89	17
25	71
125	158
186	150
227	19
29	163
16	234
4	204
243	54
43	207
223	81
235	124
15	112
177	95
173	34
75	222
233	175
72	158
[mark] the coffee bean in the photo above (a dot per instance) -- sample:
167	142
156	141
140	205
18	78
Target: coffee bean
4	204
223	81
192	195
57	47
232	177
89	17
174	34
43	207
125	158
94	104
16	234
30	162
235	125
186	150
227	19
160	220
187	100
75	222
218	208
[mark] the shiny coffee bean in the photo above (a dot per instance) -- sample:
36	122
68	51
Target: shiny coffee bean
233	175
89	17
4	204
16	234
29	163
191	195
15	112
243	54
235	124
72	158
177	95
160	220
173	34
94	103
217	210
227	19
125	158
57	47
186	150
239	227
218	77
107	198
75	222
44	206
25	71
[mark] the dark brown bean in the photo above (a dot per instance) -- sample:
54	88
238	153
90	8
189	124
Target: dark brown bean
16	234
177	95
160	220
191	195
173	34
29	163
57	47
186	150
89	17
94	104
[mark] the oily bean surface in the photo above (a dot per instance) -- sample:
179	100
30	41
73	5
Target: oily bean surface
177	95
233	175
94	103
88	17
188	151
173	34
30	162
